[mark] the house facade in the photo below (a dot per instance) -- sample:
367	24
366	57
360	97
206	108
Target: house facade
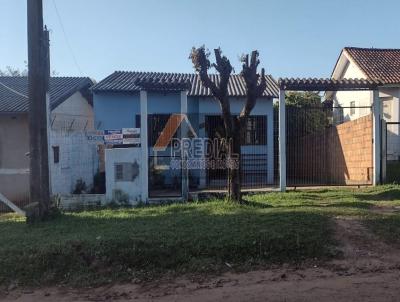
373	64
70	156
118	103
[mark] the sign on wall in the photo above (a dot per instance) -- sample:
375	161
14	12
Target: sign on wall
125	136
131	136
95	137
113	137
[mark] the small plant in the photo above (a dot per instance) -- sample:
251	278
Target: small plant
120	199
80	187
99	183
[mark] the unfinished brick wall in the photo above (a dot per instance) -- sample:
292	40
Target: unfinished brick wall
338	155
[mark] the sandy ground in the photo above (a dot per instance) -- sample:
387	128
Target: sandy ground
368	271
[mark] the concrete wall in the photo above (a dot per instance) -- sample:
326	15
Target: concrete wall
132	188
79	159
14	164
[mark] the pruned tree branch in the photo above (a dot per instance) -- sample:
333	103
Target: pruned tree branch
201	63
255	83
234	126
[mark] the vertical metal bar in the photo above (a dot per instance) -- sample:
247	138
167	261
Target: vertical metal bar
376	137
184	128
144	146
282	141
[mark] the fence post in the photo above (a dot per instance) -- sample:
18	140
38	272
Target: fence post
144	146
184	169
376	106
282	141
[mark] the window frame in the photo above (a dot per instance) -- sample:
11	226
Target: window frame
123	175
56	154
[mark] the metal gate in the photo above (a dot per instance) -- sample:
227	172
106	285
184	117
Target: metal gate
391	152
329	145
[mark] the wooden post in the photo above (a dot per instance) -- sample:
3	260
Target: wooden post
376	106
37	66
282	141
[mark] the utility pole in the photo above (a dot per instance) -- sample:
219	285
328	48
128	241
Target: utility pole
38	85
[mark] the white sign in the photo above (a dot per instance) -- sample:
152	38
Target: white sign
131	136
95	137
113	137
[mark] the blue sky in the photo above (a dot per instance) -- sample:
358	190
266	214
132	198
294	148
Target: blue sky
298	38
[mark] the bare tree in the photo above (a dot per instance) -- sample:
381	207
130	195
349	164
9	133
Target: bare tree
14	72
235	126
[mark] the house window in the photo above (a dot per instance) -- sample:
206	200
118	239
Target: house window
56	154
137	121
126	171
256	131
255	134
352	108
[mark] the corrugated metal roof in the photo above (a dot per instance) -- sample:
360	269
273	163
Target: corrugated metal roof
135	81
379	64
14	91
316	84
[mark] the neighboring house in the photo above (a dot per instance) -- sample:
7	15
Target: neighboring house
373	64
70	156
117	106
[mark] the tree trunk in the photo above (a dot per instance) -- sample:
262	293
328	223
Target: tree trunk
234	171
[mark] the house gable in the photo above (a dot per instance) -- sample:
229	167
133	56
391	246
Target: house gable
75	109
347	68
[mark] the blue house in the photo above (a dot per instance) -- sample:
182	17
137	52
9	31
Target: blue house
131	99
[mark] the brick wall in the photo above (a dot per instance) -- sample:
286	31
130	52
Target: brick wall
337	155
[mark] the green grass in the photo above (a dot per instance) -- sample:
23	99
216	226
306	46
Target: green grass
93	247
386	227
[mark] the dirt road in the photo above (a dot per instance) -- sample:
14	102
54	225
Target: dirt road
368	271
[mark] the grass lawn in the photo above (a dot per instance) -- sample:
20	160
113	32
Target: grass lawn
93	247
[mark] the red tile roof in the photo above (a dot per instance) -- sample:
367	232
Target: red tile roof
377	64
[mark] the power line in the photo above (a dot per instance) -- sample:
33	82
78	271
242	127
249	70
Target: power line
66	38
12	90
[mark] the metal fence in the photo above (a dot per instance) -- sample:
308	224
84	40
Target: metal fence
206	153
391	164
325	145
329	146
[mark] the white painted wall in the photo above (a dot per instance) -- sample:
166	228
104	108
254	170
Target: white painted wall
75	113
133	188
361	98
78	160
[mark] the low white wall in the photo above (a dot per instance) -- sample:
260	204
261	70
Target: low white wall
132	188
76	202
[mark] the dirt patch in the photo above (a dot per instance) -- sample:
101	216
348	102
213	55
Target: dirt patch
385	209
368	270
362	251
